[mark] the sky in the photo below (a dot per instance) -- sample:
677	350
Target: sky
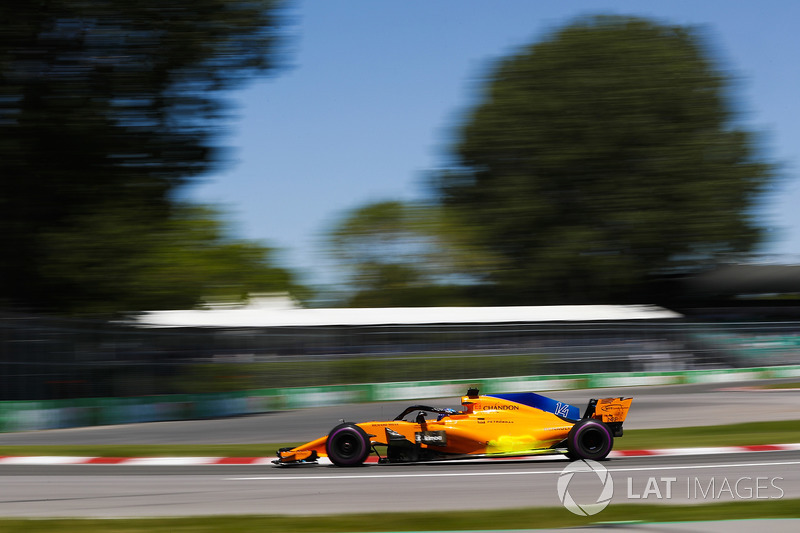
372	92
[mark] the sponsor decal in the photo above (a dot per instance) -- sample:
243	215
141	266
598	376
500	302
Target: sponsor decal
433	438
612	411
500	407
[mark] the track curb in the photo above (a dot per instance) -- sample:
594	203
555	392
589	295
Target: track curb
21	460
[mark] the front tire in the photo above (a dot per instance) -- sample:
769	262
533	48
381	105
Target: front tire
589	439
347	445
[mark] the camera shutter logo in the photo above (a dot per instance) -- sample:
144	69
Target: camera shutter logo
585	466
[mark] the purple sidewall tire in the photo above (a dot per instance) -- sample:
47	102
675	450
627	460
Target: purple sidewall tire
590	439
347	445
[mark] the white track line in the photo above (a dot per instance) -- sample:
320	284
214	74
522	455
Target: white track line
336	477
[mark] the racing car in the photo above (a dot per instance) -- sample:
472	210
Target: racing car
496	425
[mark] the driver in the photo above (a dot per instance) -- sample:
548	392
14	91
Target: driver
446	412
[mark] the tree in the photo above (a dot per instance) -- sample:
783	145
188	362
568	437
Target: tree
602	159
190	260
107	108
398	254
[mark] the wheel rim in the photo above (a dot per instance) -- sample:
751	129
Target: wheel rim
592	440
347	446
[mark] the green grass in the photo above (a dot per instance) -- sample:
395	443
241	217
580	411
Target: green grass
452	520
793	385
727	435
635	439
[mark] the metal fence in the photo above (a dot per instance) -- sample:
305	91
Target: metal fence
42	358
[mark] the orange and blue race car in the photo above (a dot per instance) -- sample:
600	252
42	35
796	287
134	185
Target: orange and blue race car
496	425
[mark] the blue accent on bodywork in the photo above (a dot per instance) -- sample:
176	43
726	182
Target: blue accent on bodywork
542	403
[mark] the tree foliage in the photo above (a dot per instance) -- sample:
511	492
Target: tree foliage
602	158
106	109
398	254
189	260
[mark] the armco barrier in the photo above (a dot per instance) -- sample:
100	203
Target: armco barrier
52	414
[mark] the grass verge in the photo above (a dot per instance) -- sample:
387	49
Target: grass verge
636	439
792	385
492	520
749	433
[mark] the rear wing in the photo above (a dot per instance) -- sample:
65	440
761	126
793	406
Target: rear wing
612	411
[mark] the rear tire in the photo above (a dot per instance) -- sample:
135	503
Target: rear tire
347	445
589	439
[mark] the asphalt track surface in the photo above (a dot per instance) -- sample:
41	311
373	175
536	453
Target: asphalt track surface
128	491
112	491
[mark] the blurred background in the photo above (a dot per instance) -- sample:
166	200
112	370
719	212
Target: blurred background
604	157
